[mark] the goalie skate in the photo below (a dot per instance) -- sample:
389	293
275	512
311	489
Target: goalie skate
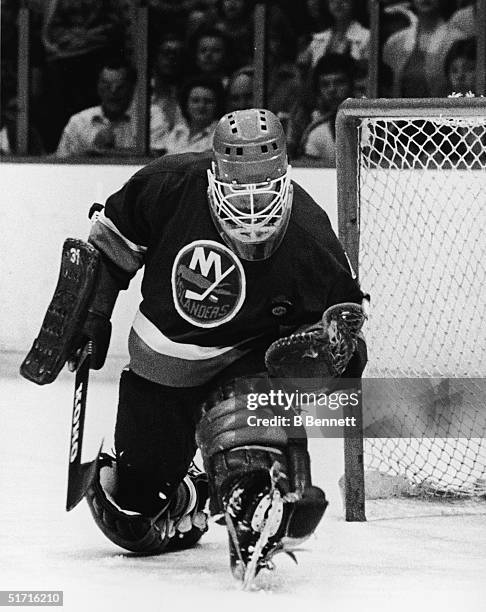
256	516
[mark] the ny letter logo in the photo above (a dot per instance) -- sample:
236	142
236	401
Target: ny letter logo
206	263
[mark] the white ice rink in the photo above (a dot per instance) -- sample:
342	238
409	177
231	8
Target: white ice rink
417	563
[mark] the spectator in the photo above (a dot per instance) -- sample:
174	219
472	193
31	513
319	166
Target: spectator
312	19
346	35
8	113
166	76
240	90
110	128
8	130
395	17
209	55
460	66
459	144
202	14
78	35
236	21
464	19
416	54
284	83
202	104
7	123
4	141
332	83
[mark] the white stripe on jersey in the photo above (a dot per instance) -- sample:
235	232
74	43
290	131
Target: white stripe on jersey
102	218
158	342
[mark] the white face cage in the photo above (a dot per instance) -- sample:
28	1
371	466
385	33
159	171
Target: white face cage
251	213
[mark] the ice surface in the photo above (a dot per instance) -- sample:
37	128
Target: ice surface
419	563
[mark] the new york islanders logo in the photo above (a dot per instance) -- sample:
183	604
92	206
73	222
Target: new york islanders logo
208	283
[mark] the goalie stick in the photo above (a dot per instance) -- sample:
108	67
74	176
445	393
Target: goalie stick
80	475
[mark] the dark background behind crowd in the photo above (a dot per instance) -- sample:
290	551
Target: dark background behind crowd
200	65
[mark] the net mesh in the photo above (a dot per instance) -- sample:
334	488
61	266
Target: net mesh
422	256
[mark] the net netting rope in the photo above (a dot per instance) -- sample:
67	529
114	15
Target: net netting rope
422	256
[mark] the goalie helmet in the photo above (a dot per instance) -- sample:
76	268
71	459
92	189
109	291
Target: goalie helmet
249	188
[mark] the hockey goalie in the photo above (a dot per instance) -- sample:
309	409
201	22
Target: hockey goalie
245	285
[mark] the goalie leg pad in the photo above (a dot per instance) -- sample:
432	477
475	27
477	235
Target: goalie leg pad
231	450
65	314
129	530
225	423
178	525
230	447
248	468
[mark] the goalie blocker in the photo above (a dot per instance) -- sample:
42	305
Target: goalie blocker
70	320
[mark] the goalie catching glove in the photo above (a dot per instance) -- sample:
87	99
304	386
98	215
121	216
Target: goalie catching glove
323	350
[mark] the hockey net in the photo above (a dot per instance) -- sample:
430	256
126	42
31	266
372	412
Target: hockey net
412	216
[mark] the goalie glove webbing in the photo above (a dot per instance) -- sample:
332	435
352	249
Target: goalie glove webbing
324	351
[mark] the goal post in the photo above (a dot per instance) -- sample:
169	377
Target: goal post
411	191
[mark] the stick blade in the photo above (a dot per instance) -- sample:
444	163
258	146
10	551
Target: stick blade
79	483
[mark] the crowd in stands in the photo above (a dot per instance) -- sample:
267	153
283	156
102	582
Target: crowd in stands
83	75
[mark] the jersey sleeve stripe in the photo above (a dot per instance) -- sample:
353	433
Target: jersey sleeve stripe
103	219
115	248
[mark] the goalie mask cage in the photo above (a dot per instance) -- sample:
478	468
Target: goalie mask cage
411	177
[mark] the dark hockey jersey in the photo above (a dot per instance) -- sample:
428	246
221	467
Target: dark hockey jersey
202	307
